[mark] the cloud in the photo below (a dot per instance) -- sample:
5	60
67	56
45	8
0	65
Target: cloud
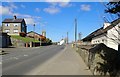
42	24
23	6
13	6
65	4
37	9
29	21
22	15
5	10
57	0
52	10
8	10
56	6
85	7
61	3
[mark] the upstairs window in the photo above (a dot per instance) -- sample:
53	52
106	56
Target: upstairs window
7	24
15	24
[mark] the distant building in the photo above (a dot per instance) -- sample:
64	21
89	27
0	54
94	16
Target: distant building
36	36
62	42
109	34
14	26
44	33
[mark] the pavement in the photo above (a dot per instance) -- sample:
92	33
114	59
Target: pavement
67	62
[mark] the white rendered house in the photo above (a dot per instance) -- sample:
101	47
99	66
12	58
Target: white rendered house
109	34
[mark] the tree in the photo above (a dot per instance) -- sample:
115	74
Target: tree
113	8
48	41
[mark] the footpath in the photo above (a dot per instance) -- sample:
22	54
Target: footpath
67	62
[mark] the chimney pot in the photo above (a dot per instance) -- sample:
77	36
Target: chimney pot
15	17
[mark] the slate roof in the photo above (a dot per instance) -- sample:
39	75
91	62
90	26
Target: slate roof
35	33
101	31
18	20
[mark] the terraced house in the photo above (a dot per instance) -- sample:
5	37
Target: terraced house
14	26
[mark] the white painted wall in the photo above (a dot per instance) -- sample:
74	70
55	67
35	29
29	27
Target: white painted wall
100	39
106	25
114	37
112	40
61	42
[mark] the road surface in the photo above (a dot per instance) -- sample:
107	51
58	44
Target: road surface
49	60
20	61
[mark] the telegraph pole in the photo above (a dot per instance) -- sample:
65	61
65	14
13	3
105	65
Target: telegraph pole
67	38
79	35
75	31
34	34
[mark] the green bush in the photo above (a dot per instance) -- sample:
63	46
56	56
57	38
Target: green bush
22	34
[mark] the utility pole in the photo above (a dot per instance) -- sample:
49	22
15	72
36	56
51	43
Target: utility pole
34	34
67	38
75	31
79	35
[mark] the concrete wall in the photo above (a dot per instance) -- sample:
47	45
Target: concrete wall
4	41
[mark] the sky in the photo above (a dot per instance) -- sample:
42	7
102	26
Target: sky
57	18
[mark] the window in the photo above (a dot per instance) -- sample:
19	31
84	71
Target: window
7	30
15	24
7	24
15	30
98	41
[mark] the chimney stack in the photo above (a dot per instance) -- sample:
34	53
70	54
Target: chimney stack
15	17
106	25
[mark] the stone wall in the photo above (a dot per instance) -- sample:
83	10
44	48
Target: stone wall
101	59
17	43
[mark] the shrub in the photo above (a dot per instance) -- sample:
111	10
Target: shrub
22	34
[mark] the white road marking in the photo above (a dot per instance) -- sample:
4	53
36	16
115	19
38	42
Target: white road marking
0	62
26	55
15	58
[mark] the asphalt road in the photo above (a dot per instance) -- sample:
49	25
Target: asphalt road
21	61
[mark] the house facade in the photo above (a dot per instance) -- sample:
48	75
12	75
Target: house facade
14	26
36	36
109	34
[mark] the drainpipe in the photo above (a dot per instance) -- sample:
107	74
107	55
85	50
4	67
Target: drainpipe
119	47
